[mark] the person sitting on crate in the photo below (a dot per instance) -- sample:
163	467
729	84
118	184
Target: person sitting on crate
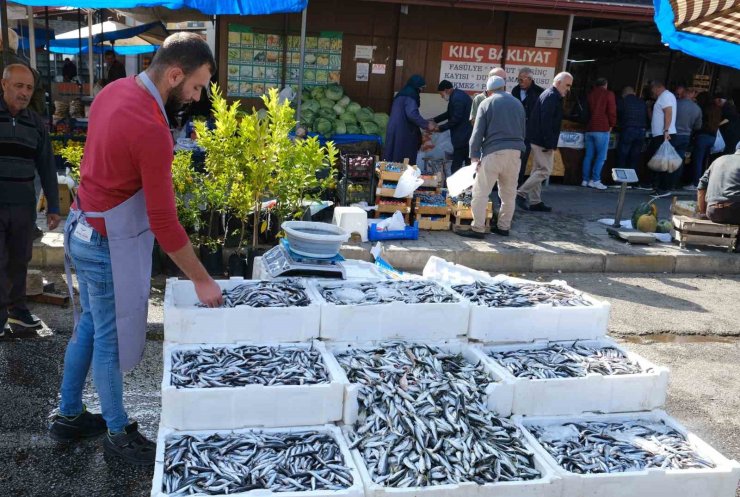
718	193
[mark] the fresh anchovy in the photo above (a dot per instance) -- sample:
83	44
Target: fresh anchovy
466	197
431	199
423	421
285	293
617	447
558	360
381	292
505	294
247	365
239	462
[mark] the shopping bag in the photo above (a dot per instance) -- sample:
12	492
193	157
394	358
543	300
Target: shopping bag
666	159
719	144
408	182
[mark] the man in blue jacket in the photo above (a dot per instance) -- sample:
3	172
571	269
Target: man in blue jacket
457	117
543	131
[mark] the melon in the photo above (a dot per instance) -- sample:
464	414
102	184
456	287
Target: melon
664	226
647	223
644	208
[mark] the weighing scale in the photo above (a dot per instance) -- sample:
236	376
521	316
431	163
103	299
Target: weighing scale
624	177
282	261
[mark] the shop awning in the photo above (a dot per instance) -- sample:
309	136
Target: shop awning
212	7
24	41
706	29
125	40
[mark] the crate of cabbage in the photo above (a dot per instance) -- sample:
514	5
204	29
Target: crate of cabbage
328	111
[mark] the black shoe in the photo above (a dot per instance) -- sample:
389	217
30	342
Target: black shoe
23	317
522	203
37	233
131	446
84	425
498	231
5	330
471	234
540	207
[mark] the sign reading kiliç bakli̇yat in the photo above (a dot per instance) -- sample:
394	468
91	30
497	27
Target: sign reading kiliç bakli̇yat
466	65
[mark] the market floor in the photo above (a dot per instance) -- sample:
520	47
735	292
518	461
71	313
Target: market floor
680	315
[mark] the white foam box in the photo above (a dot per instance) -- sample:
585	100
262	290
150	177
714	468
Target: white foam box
252	405
470	354
184	322
523	324
721	481
590	393
356	490
392	321
548	485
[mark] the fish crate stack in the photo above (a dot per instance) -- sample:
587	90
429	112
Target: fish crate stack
357	180
432	205
462	214
388	175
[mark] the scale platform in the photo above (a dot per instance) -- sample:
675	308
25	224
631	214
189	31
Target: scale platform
631	236
281	261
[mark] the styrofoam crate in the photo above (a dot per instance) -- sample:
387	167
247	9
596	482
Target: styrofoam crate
356	490
591	393
523	324
252	405
721	481
548	485
471	354
185	323
392	321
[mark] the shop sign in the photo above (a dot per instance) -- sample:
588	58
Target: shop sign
363	71
378	68
549	38
466	65
363	51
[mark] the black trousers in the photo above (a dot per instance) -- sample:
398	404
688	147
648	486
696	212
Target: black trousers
460	158
729	213
525	159
17	222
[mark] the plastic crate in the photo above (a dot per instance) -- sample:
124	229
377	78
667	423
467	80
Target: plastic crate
409	233
358	165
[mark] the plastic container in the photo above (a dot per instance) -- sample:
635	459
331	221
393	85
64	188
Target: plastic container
591	393
408	233
252	405
312	239
720	481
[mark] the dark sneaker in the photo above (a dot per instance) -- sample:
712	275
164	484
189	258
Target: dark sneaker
498	231
84	425
37	233
131	446
522	203
471	234
540	207
23	317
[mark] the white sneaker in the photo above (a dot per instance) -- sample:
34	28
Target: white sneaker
598	185
584	183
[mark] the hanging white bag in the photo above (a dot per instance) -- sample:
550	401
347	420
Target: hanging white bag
408	182
666	159
719	144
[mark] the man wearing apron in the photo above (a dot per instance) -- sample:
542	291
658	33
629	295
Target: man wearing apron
125	201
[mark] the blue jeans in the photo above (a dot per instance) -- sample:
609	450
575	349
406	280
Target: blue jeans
97	340
597	145
631	141
702	148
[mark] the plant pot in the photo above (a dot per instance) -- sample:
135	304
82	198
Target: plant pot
212	259
238	265
269	237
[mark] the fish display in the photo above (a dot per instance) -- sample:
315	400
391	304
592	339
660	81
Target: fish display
423	421
215	367
284	293
510	294
591	447
566	360
382	292
221	464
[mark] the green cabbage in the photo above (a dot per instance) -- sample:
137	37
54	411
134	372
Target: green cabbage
348	117
364	115
353	129
307	117
323	126
353	107
327	114
369	128
381	119
344	101
340	128
334	92
311	105
325	103
318	93
338	109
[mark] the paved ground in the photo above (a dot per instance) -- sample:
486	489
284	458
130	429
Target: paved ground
704	392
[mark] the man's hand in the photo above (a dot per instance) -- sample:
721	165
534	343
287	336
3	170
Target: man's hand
432	126
666	136
209	293
476	163
52	221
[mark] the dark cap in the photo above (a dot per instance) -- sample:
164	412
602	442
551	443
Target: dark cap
444	85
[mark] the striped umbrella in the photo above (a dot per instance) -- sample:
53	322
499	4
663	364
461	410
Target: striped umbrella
707	29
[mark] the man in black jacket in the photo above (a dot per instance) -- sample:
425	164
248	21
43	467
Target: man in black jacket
457	115
25	150
116	70
543	132
527	92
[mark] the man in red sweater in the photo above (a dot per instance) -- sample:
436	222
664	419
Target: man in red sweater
125	200
602	108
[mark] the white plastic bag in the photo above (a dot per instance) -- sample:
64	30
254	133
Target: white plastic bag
666	159
719	144
394	223
408	182
461	180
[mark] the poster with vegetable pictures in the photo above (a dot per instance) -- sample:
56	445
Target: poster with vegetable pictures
255	60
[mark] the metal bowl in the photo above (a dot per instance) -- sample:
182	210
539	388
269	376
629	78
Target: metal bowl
316	240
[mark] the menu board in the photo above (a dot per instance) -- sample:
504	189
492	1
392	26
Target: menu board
255	60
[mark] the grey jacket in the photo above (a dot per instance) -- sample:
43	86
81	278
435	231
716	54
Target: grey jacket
722	179
499	125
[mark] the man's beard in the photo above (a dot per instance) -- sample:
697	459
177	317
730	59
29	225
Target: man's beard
175	100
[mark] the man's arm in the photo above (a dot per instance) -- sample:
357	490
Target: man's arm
456	114
547	111
479	128
611	110
667	118
701	192
48	174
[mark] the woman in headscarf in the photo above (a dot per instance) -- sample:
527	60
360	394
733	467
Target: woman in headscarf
403	136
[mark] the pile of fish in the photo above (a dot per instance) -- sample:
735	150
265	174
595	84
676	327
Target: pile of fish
422	419
509	294
617	447
466	197
247	365
559	360
231	463
431	199
285	293
383	292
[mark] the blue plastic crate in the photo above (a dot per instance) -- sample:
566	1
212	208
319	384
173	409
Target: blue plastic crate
409	233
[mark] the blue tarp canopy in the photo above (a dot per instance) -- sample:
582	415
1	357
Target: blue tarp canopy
131	40
24	42
708	30
211	7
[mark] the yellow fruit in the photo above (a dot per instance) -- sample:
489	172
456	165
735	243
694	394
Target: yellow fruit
647	223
